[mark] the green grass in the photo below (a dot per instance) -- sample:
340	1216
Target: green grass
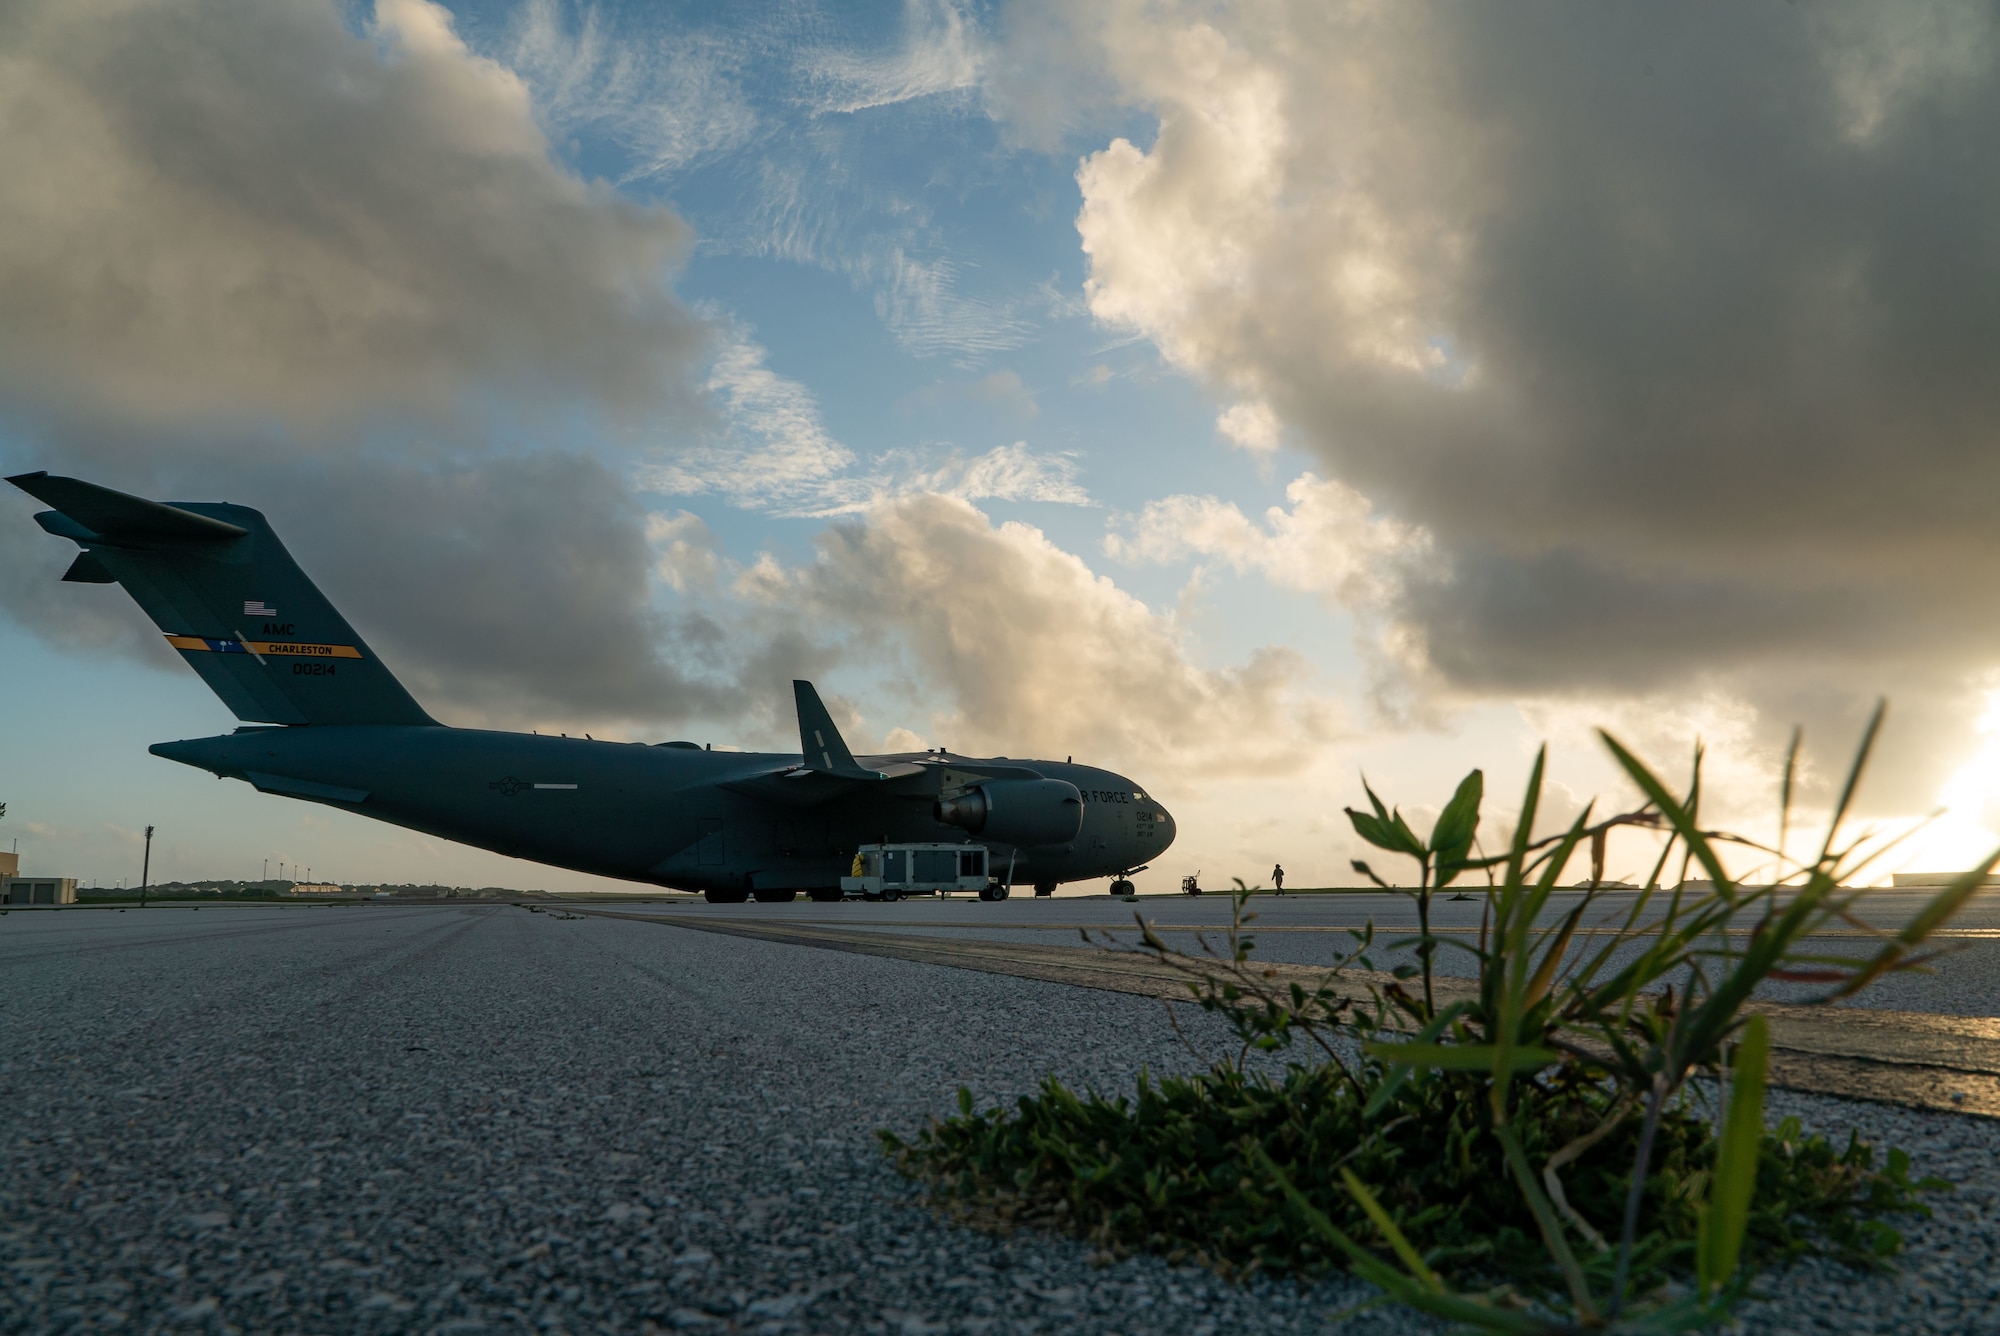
1171	1169
1581	1145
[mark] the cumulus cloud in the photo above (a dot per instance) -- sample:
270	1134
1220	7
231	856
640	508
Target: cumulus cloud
1672	327
506	589
247	253
250	212
1330	542
1638	313
1034	653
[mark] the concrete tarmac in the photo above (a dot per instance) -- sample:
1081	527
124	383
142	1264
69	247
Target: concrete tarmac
473	1117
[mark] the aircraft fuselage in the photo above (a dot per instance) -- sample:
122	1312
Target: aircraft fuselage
659	814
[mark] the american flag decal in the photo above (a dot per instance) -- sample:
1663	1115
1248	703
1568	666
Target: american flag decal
257	607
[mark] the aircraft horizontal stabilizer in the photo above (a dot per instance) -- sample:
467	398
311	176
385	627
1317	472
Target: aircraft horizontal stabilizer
85	512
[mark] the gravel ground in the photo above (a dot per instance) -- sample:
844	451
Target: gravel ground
478	1118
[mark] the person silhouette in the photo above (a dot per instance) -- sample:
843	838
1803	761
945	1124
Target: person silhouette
1278	877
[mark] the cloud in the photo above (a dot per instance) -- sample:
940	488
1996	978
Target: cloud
671	100
1033	653
1253	426
219	211
1330	543
1004	473
1674	334
920	303
941	53
772	452
508	589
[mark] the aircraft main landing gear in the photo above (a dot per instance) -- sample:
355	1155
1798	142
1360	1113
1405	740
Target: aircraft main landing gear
771	895
826	894
1045	888
726	895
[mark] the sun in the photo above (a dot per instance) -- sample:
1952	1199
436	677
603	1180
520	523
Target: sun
1969	827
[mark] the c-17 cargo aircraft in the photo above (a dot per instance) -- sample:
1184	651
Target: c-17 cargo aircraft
326	721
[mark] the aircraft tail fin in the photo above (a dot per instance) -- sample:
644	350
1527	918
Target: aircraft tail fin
825	750
217	581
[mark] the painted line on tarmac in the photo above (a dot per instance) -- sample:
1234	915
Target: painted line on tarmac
1917	1059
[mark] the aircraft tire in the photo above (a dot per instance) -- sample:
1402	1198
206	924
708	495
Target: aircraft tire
1123	887
824	894
768	895
1045	888
718	895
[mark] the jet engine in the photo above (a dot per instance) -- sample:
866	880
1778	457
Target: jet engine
1016	811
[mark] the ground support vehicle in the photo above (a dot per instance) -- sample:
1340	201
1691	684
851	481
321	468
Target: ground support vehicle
892	871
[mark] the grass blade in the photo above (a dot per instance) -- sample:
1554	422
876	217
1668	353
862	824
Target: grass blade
1719	1242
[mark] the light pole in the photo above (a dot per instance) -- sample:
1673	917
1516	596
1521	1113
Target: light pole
146	868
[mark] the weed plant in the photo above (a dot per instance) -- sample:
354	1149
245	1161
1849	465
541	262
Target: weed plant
1532	1149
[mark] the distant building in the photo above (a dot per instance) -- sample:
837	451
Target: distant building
315	888
18	890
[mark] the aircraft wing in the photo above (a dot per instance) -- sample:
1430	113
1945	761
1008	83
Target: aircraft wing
827	770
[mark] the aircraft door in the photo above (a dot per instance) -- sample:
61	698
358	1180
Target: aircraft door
708	841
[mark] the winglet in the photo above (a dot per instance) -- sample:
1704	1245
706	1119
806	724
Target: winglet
821	742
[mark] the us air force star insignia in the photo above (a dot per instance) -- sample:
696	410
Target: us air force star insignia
509	786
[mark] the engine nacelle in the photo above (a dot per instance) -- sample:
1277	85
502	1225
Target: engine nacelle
1016	811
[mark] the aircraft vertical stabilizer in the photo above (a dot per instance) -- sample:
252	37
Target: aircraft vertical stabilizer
230	598
825	750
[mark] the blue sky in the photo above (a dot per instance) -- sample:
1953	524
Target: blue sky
1242	397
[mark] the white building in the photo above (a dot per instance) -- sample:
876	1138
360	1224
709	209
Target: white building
37	890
